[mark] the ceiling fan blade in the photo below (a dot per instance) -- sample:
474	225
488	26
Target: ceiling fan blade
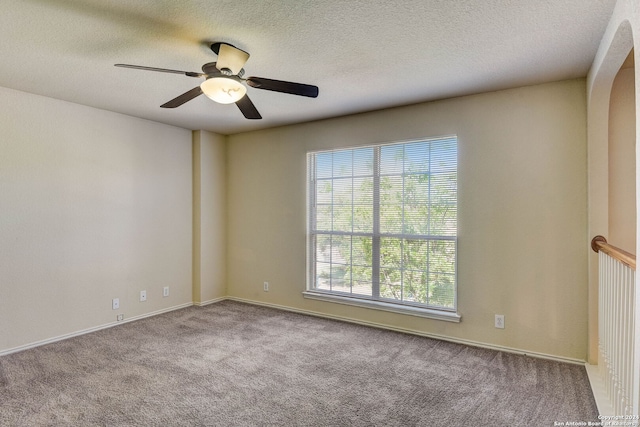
162	70
284	87
230	57
179	100
248	109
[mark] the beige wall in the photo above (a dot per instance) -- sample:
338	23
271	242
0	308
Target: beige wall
622	161
93	205
522	203
96	205
209	216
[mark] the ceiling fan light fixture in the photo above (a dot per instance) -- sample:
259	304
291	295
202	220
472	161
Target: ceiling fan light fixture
223	90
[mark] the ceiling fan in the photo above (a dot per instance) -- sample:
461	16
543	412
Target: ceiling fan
224	81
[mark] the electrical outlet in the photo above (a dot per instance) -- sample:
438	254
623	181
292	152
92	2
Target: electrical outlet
266	286
165	291
120	317
143	296
499	321
115	303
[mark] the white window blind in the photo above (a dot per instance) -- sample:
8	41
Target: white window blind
383	223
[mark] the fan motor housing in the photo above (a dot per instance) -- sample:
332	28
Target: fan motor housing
210	69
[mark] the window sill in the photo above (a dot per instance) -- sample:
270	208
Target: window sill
385	306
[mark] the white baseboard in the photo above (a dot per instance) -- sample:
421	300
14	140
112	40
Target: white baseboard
416	332
301	311
597	386
94	329
211	301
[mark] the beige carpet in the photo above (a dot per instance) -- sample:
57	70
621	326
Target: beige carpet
232	364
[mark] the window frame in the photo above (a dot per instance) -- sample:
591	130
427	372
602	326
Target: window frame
380	303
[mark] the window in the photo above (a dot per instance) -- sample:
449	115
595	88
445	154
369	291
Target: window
382	225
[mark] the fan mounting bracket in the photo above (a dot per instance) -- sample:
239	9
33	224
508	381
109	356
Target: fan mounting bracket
215	47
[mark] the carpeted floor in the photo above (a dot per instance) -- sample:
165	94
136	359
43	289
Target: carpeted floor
232	364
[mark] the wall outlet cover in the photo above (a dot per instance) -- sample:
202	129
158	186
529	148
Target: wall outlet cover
143	296
499	321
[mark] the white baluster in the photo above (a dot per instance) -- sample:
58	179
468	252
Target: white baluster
617	341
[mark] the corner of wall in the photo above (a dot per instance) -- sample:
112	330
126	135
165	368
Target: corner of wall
196	291
209	216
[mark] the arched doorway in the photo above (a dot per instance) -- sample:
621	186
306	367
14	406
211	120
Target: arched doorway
622	158
608	107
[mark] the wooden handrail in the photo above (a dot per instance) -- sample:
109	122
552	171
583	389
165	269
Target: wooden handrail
599	243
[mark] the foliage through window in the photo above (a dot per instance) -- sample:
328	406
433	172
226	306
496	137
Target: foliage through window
383	222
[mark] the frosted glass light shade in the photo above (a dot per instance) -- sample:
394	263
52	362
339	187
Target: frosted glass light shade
223	90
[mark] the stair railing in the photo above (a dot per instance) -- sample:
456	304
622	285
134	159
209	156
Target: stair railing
617	329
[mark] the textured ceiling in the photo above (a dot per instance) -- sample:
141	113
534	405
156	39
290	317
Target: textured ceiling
362	54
